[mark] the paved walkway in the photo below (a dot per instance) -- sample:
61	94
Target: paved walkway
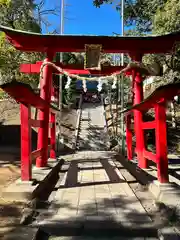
92	134
93	199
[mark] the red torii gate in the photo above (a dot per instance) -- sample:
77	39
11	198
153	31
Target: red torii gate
136	47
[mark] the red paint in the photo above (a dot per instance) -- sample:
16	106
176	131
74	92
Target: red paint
149	125
166	92
24	94
53	136
135	47
156	100
150	156
36	123
45	94
26	166
140	140
129	137
36	154
71	68
161	143
62	43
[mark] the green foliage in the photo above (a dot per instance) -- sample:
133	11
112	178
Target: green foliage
10	60
167	18
98	3
4	3
17	14
137	13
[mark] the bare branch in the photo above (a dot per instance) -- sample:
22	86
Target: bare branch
49	11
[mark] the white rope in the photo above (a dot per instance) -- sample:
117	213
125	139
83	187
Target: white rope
114	83
61	70
84	85
99	86
68	83
108	77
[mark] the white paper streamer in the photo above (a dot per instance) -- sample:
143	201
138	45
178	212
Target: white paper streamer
68	82
99	86
84	85
115	82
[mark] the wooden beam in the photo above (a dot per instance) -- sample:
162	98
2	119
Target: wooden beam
71	68
24	94
53	135
26	41
26	164
161	143
36	123
149	125
149	155
37	153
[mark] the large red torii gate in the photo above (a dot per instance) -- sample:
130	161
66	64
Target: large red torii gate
136	47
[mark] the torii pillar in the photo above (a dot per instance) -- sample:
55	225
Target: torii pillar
138	117
45	93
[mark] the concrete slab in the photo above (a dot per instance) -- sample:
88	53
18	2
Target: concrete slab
168	193
97	197
23	191
18	191
21	233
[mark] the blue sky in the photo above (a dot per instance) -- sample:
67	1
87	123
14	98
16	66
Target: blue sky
84	18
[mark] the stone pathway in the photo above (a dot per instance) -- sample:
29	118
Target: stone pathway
94	199
92	133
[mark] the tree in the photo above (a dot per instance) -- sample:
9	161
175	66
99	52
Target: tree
42	13
167	18
16	14
19	14
137	13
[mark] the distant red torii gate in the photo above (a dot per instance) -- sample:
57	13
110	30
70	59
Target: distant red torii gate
136	47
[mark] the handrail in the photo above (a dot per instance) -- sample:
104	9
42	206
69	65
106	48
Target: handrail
24	94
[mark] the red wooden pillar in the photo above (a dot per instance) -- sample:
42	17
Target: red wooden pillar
53	135
140	141
161	143
129	137
45	93
26	165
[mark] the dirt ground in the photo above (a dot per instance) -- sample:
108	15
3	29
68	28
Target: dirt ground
10	212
